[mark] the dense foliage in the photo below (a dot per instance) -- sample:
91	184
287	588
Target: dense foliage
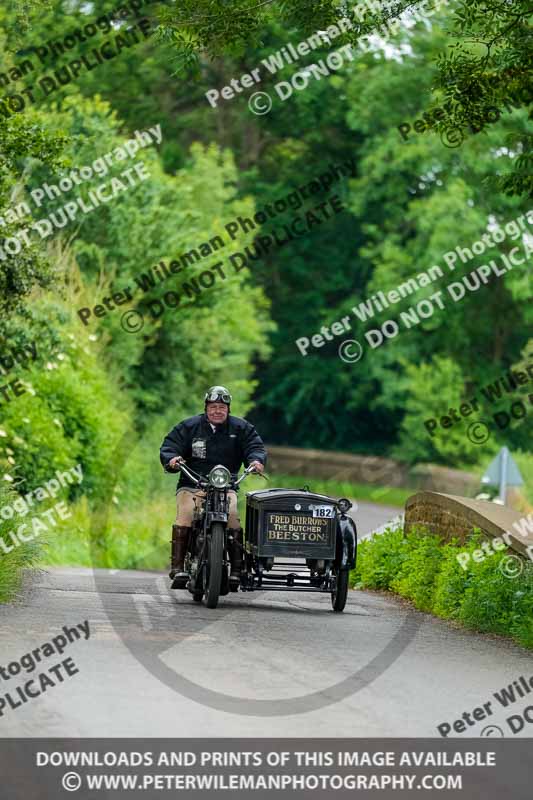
407	202
420	567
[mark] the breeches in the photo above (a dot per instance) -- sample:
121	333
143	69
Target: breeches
188	499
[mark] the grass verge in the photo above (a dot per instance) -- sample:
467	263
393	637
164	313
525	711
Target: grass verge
139	538
125	539
421	568
15	554
381	495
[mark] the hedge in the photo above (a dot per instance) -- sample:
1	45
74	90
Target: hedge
420	567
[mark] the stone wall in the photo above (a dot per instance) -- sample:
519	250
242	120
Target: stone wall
451	516
370	469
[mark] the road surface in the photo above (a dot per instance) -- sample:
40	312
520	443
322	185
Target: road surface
300	668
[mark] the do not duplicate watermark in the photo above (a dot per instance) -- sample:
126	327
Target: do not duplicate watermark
505	697
21	506
260	102
102	194
39	683
511	566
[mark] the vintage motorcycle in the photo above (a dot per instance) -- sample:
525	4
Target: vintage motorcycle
297	530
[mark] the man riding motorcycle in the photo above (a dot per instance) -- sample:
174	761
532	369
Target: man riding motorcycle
202	442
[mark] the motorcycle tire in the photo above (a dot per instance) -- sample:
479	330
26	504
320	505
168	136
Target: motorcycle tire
199	587
215	565
196	586
340	594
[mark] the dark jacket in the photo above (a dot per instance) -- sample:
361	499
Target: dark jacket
233	443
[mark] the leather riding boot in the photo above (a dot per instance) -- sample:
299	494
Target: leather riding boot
180	540
236	555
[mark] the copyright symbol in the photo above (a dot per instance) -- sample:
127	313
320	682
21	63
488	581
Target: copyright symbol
260	103
71	781
511	567
478	432
347	353
492	730
452	137
132	321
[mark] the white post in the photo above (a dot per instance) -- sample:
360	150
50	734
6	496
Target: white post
503	473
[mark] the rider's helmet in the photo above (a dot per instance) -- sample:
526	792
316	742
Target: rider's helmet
218	394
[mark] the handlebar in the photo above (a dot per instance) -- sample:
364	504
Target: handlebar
245	474
182	467
199	479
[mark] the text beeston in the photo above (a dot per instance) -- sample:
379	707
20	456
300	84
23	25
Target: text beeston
310	535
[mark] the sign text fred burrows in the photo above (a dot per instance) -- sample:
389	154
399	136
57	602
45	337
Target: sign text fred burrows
288	528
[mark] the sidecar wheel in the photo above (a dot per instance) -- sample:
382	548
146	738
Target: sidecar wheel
340	595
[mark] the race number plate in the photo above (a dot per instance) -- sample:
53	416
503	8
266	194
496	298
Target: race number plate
324	512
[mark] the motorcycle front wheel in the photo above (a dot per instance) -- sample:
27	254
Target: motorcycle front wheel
215	565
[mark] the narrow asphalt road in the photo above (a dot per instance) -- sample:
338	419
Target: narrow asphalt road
368	517
265	664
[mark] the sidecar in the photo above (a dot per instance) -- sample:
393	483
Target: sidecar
298	541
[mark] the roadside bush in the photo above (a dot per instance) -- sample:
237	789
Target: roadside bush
418	570
452	583
72	412
132	538
380	559
496	603
422	568
521	627
13	559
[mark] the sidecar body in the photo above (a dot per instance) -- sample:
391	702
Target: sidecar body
300	541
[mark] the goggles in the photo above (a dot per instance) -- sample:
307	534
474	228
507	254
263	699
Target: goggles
215	396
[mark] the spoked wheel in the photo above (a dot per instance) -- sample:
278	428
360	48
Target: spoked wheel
215	565
198	585
340	594
198	596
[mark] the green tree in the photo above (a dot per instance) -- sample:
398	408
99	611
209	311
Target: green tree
431	390
487	63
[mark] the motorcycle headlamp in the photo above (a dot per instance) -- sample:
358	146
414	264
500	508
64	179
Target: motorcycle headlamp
344	505
219	477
